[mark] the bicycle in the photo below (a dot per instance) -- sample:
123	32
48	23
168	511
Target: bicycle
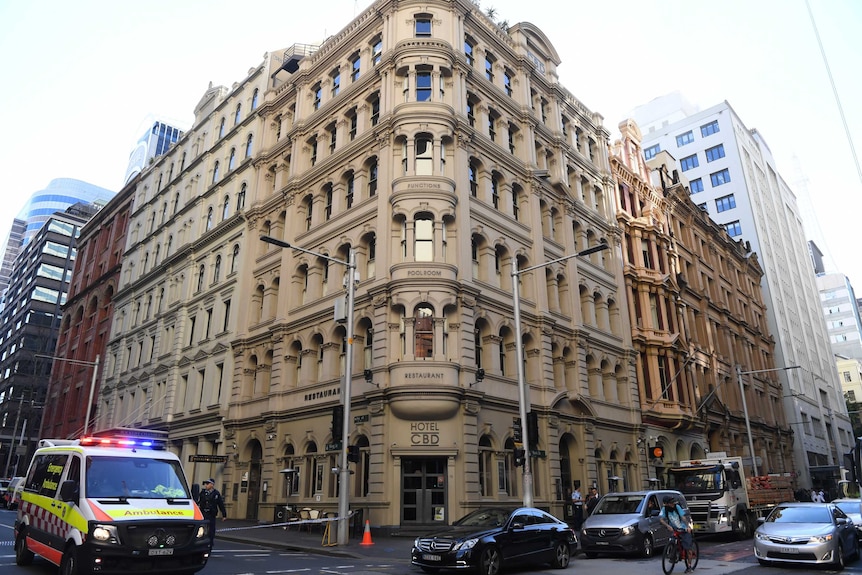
673	553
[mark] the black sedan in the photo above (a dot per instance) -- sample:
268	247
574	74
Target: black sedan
488	538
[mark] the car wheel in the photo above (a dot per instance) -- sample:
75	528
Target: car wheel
23	555
591	554
647	547
561	556
839	557
69	563
489	561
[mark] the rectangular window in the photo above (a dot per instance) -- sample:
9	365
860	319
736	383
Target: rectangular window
336	82
689	162
423	86
468	52
354	68
318	94
715	153
696	186
650	152
725	203
489	68
709	129
423	27
733	229
376	52
720	178
684	139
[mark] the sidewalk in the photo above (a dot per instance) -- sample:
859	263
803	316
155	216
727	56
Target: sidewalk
296	539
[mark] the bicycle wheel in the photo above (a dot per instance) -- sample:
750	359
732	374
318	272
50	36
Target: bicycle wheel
695	549
669	557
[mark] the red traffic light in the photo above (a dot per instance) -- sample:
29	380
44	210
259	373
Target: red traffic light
656	452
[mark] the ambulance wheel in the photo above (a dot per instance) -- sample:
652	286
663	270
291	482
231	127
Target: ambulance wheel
69	563
23	555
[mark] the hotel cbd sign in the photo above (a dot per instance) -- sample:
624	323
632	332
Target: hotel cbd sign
425	433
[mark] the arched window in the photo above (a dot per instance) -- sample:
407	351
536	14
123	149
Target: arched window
217	269
424	156
238	116
327	212
474	178
249	142
220	133
234	258
308	204
372	179
348	199
168	247
424	331
423	248
176	202
215	172
231	163
495	191
225	210
240	199
254	99
201	275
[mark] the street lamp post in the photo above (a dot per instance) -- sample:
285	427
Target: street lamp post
739	374
95	365
344	470
519	357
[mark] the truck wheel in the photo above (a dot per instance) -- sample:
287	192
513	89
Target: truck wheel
742	526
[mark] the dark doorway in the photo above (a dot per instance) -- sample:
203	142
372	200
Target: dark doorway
253	481
423	491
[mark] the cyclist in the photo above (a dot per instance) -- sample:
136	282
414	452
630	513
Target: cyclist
674	517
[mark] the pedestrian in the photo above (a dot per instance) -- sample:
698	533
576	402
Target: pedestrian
817	496
577	506
591	502
211	502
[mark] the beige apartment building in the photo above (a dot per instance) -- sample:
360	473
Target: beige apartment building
439	149
697	312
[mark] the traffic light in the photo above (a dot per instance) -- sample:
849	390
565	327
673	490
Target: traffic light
656	452
533	429
353	453
519	454
337	422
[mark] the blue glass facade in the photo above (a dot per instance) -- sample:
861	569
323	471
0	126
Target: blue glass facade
56	197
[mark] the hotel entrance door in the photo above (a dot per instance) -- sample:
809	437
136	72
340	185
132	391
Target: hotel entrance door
423	491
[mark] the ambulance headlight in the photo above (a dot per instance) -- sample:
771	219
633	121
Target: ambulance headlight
105	533
202	532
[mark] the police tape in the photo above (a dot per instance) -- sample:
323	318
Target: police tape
317	521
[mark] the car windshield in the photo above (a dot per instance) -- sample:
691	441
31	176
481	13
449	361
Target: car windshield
849	506
619	504
485	518
135	477
800	515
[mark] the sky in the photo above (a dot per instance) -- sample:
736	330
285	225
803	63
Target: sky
82	77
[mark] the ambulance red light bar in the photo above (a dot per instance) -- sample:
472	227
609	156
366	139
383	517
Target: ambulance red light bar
145	438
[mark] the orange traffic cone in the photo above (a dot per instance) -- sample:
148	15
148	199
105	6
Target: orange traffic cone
366	537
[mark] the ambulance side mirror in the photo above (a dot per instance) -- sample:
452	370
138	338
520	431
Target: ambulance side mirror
69	492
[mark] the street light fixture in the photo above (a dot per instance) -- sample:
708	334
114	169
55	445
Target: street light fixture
519	356
739	374
344	470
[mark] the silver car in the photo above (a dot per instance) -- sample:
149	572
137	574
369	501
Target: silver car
852	507
814	533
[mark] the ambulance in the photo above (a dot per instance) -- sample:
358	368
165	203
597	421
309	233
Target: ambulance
113	502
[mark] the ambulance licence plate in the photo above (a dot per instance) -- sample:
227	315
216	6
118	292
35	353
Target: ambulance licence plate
161	551
427	557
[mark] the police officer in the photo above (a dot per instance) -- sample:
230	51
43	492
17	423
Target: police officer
211	502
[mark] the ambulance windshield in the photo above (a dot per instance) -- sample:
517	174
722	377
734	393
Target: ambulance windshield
135	477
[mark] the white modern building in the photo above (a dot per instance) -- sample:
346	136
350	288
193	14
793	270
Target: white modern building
842	314
733	176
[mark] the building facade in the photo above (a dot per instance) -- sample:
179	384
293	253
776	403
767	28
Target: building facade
841	312
56	197
38	288
73	387
733	177
697	311
156	140
440	151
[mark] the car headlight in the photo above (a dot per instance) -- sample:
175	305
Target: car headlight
201	532
105	533
820	538
761	536
628	529
468	544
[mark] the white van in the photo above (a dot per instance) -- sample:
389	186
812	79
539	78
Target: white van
115	502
